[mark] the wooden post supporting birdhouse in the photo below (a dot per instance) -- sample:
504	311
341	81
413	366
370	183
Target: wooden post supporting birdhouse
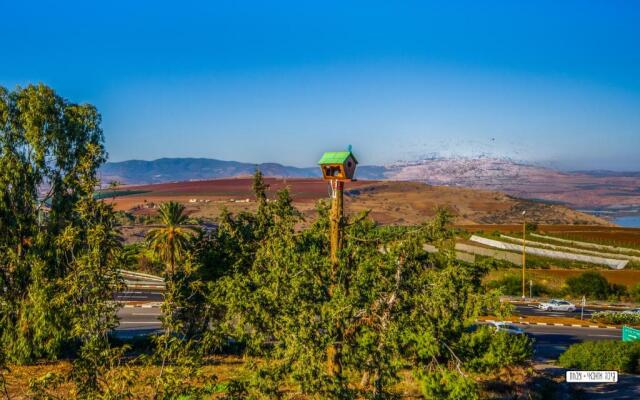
337	168
337	213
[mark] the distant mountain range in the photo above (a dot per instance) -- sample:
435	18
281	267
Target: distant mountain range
598	190
184	169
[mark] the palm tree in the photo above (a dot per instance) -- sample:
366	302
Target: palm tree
113	187
170	242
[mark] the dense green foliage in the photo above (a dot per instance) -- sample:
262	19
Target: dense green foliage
390	305
111	194
634	293
59	250
260	282
603	355
594	286
616	317
512	285
487	350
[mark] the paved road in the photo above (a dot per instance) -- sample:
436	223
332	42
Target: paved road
139	295
136	321
551	341
534	310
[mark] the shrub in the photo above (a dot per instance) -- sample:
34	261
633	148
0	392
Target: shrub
590	284
487	350
445	384
614	317
512	285
531	227
603	355
634	293
617	291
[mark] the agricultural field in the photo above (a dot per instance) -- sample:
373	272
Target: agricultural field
598	234
550	247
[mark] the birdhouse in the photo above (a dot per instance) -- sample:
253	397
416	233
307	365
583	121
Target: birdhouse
338	165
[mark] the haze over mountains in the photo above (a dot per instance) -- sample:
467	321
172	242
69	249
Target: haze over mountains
617	192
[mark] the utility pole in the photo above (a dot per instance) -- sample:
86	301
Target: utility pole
524	240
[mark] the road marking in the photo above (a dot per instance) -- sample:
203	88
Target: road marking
615	336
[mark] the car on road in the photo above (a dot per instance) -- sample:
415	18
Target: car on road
557	305
508	328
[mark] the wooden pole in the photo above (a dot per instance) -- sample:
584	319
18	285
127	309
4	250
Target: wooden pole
334	351
336	224
524	259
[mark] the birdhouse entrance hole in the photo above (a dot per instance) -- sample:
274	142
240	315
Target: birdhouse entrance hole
333	171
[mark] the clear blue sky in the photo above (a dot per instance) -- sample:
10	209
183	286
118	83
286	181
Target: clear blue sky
556	82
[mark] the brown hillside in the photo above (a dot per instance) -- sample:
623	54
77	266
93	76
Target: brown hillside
390	202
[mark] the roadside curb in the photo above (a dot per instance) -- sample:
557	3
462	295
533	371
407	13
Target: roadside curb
555	324
592	305
141	305
135	286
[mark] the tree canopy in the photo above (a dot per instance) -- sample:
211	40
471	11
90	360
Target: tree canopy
261	281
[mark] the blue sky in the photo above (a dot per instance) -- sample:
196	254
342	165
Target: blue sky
554	82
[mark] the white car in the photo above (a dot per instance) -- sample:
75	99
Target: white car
557	305
508	328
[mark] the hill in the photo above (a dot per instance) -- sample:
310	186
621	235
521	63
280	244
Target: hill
390	202
592	190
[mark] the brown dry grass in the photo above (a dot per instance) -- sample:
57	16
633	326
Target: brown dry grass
226	368
223	368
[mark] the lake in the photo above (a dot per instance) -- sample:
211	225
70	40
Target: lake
629	221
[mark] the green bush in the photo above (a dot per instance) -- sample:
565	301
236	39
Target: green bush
634	293
487	350
531	227
445	384
603	355
614	317
512	285
590	284
617	291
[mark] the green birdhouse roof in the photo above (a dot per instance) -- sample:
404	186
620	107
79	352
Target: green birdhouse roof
336	157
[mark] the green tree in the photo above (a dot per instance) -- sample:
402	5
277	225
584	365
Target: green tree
58	245
392	303
178	349
170	242
590	284
113	187
50	150
259	187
